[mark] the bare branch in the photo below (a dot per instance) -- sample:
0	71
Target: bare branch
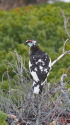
61	79
65	23
63	54
64	45
68	70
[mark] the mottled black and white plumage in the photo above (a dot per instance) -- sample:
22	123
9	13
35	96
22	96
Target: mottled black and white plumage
39	65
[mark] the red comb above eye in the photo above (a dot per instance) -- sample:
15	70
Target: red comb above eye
29	40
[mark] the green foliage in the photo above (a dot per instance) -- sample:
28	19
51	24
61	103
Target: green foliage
3	117
5	86
43	23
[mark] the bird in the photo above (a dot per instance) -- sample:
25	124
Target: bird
39	65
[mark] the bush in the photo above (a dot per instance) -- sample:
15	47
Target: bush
3	117
53	105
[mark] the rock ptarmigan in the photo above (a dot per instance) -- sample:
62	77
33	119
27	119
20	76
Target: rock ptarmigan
39	65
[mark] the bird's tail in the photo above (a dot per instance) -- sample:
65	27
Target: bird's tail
37	88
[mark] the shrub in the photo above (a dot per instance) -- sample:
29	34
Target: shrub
3	117
53	105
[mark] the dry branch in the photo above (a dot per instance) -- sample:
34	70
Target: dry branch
65	26
65	23
63	54
64	45
67	52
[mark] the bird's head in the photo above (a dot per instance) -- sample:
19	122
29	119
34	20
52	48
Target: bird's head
31	42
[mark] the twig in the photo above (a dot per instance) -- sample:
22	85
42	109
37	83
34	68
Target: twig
39	110
61	80
64	45
68	70
65	23
63	54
